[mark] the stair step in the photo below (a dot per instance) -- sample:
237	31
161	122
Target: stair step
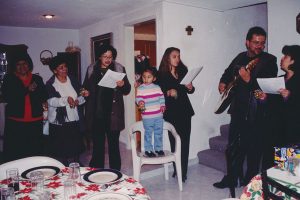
218	143
212	158
224	130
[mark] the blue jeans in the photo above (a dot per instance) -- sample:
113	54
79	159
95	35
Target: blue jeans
154	125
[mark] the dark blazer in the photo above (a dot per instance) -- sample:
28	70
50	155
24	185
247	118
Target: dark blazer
243	101
14	93
116	116
180	105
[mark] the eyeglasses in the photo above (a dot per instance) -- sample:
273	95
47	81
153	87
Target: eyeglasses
107	57
256	43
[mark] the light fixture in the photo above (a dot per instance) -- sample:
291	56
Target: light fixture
48	16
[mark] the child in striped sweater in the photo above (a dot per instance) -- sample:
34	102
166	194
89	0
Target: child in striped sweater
151	102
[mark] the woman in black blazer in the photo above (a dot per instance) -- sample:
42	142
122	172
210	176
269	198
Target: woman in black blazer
179	110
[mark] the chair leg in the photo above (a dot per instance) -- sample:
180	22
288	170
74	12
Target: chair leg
179	174
136	171
232	191
166	166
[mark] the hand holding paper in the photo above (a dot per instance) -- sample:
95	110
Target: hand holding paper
191	75
110	79
271	85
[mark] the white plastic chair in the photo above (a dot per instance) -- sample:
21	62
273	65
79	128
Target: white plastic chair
139	159
24	164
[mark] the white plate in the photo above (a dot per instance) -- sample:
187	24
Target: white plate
109	196
48	171
101	176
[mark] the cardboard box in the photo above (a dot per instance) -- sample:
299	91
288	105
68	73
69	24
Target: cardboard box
282	154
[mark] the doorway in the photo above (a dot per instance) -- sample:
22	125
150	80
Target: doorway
144	55
144	48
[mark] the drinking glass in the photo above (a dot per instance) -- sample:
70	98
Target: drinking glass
69	189
7	193
74	172
37	181
12	176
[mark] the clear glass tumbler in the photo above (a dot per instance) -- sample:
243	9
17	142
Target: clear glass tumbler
37	181
69	189
74	172
12	176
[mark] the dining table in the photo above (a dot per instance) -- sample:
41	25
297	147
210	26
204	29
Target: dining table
123	187
253	190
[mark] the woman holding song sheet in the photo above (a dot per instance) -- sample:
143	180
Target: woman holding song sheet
290	63
179	110
105	108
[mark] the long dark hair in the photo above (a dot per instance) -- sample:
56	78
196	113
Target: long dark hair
164	66
294	52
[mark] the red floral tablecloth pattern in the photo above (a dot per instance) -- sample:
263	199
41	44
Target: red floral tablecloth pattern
125	185
253	191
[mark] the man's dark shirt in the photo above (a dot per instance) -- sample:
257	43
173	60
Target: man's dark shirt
243	102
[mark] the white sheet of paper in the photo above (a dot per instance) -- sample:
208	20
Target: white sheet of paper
191	75
271	85
110	78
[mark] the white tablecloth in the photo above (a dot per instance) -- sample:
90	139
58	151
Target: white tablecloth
84	190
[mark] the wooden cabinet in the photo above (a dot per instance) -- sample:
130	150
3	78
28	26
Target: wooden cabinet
74	63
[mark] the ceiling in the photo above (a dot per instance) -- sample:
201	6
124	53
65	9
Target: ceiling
75	14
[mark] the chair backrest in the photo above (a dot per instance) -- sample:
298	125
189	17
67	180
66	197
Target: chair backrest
168	128
268	194
26	163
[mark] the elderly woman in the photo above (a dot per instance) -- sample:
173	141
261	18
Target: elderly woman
24	94
65	113
105	108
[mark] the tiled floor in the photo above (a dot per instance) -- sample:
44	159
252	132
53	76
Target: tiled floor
197	187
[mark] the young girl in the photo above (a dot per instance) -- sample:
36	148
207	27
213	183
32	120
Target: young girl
151	102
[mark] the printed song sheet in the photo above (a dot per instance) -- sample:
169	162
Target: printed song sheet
271	85
110	78
191	75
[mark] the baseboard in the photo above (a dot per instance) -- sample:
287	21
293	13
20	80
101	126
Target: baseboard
161	170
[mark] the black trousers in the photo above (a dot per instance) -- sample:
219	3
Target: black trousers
246	141
183	128
98	156
22	139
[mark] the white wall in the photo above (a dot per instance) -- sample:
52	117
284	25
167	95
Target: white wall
282	25
215	41
37	40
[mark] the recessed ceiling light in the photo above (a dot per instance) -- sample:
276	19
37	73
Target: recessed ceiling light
48	16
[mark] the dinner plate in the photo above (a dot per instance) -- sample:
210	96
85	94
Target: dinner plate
109	196
102	176
48	171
